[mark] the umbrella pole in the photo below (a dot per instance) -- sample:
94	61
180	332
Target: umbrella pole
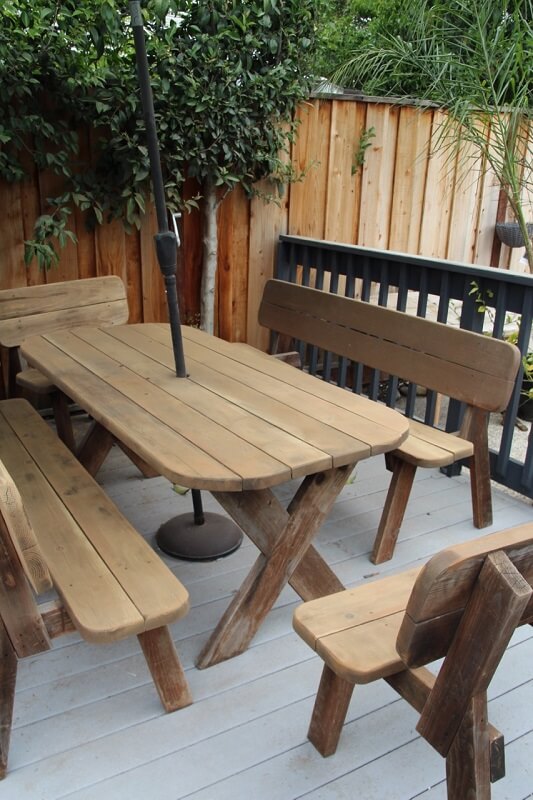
197	536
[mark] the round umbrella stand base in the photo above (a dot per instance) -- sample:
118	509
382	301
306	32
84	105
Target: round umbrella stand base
181	537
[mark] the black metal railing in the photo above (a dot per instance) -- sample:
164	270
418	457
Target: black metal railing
493	301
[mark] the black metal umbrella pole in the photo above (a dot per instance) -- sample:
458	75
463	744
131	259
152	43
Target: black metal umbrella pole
165	240
179	536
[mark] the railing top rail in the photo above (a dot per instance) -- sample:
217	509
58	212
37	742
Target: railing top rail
487	273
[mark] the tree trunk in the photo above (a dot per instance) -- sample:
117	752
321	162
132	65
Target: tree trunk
210	258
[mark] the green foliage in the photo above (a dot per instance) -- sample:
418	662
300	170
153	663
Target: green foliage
225	76
472	57
365	140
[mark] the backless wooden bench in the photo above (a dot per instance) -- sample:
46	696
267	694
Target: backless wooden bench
475	369
464	604
59	529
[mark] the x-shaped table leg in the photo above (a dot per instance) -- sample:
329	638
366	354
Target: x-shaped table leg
284	537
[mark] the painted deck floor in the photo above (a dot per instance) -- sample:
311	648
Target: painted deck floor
88	723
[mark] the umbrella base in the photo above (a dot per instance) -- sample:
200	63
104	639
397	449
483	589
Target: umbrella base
216	537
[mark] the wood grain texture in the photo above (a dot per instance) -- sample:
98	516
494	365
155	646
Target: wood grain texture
329	712
111	585
233	423
269	575
496	605
165	668
8	677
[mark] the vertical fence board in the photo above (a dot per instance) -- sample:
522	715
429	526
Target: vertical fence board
12	269
310	155
438	198
465	205
378	176
232	289
343	188
30	206
66	269
267	222
412	147
152	286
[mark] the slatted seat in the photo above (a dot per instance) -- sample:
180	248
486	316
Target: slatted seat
464	605
58	529
477	370
32	310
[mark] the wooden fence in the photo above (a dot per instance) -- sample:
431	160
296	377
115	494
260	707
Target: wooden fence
403	198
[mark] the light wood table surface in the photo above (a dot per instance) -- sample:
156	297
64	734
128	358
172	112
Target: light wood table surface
239	424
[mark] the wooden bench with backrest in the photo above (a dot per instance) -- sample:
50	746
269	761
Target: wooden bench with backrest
469	367
463	605
59	529
31	310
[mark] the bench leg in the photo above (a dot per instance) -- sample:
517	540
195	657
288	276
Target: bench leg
94	448
329	712
8	676
145	469
468	760
475	428
403	475
165	668
63	420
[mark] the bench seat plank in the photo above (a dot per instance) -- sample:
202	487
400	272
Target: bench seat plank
431	447
123	583
355	631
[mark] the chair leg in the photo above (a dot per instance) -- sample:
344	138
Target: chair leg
8	677
331	706
165	668
468	760
403	475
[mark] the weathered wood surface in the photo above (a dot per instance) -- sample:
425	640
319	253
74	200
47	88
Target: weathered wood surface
403	197
477	370
105	735
360	635
58	528
239	421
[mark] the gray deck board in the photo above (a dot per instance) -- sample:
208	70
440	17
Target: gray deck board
88	722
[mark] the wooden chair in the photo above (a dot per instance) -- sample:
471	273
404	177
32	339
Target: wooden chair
59	529
477	370
31	310
463	605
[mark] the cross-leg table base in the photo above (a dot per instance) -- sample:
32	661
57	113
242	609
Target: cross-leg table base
284	537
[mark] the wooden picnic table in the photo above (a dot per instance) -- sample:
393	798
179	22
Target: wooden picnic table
241	423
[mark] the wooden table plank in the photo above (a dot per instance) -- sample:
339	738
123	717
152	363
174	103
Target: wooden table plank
154	362
378	413
353	423
172	455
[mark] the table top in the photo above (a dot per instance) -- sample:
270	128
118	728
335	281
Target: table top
240	420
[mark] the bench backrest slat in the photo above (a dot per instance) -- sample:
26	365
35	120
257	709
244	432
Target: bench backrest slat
476	369
32	310
443	589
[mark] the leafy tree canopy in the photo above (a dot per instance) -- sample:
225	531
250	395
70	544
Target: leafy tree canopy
225	74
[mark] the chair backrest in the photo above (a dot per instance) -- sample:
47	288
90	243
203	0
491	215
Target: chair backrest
21	562
465	605
32	310
444	587
467	366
